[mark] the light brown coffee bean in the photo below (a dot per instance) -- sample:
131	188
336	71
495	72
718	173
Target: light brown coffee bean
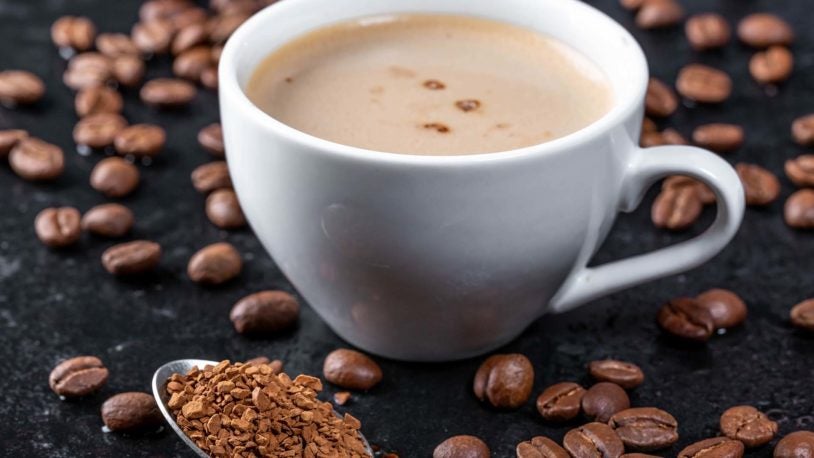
676	208
351	369
540	447
707	31
762	30
802	315
98	99
223	209
189	37
719	137
132	411
114	45
799	444
58	227
87	70
191	63
19	87
128	70
655	14
625	374
35	160
603	400
167	92
593	440
704	192
222	26
748	425
209	77
716	447
645	428
132	257
685	318
98	130
462	447
703	84
114	177
153	37
802	130
266	312
73	32
772	66
504	380
799	209
140	140
215	264
800	170
660	101
108	220
760	185
211	139
211	176
9	139
560	402
726	308
78	376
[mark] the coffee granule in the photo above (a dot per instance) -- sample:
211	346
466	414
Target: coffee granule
246	410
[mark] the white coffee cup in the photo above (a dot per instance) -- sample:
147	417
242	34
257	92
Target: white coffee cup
436	258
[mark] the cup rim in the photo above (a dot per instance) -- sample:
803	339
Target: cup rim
229	86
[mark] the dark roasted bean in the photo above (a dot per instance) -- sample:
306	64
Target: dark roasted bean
73	32
594	440
265	312
504	380
799	444
716	447
560	402
88	69
140	140
98	130
114	45
19	87
802	315
707	31
35	160
108	220
655	14
704	192
78	376
772	66
114	177
98	99
131	411
461	447
191	63
223	209
603	400
222	26
211	176
188	37
645	428
760	185
152	37
800	170
703	84
762	30
211	139
660	101
215	264
676	208
799	209
351	369
167	92
128	70
132	257
748	425
540	447
153	10
58	227
726	308
719	137
684	317
625	374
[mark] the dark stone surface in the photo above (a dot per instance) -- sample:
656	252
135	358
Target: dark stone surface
57	304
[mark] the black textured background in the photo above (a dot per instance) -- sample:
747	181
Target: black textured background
57	304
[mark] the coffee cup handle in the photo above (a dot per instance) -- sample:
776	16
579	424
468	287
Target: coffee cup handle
644	167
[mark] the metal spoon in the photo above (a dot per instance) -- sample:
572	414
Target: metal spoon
182	366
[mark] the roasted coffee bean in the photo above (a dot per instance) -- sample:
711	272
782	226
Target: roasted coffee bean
638	455
719	137
648	125
504	380
799	209
189	37
128	70
98	130
79	376
9	139
351	369
222	26
19	87
209	77
603	400
167	92
802	130
560	402
132	411
153	10
88	69
210	177
540	447
594	440
215	264
748	425
704	192
211	139
707	31
726	308
802	315
772	66
114	177
671	136
760	185
625	374
140	140
703	84
217	51
655	14
108	220
631	4
800	170
58	227
98	99
661	101
35	160
799	444
676	208
132	257
462	447
152	37
73	32
684	317
645	428
114	45
265	312
223	209
762	30
191	63
716	447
